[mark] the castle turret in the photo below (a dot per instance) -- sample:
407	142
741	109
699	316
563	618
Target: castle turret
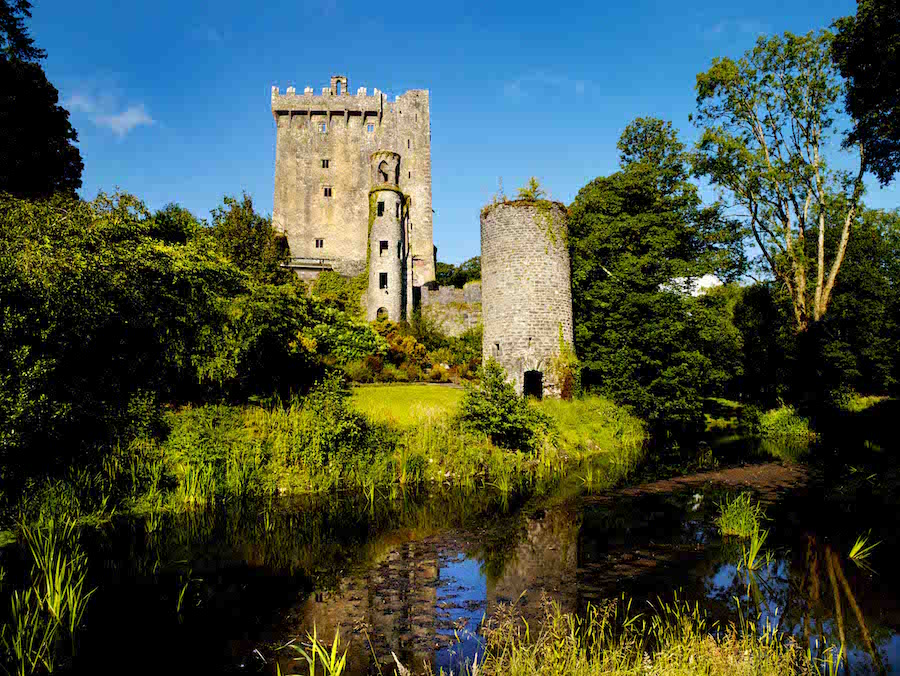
526	291
388	253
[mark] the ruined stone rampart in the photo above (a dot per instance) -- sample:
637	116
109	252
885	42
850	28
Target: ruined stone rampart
452	310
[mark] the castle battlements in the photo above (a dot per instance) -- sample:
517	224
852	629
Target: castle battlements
326	143
333	99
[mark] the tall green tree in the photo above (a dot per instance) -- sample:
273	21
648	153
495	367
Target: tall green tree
447	274
38	156
15	42
248	240
766	122
859	339
866	49
636	238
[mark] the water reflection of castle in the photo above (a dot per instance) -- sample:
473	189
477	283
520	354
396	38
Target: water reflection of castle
411	603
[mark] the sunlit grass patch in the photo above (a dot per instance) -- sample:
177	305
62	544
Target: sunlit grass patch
740	516
405	405
595	424
785	423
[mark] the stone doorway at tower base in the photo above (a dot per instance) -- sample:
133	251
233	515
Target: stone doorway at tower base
533	385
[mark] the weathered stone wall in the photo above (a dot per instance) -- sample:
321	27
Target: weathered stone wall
301	209
453	310
526	288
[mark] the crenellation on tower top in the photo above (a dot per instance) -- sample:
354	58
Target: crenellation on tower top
290	91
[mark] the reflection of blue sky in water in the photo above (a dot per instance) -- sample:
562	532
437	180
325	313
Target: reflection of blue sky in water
768	599
461	599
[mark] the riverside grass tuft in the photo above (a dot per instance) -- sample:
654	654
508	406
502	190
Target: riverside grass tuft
671	639
740	516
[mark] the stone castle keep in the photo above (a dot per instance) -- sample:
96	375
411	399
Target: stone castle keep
353	188
353	195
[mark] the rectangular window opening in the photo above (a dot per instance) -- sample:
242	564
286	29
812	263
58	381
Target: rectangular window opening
381	208
323	127
382	280
398	209
382	247
497	348
407	143
370	128
320	243
325	164
327	192
410	175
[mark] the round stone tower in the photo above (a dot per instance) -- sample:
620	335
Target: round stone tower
526	291
388	244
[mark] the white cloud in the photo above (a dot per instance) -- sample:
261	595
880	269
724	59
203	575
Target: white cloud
543	82
129	119
106	112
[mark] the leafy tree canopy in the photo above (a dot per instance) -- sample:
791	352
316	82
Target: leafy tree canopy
766	121
631	234
447	274
866	49
37	153
15	43
248	240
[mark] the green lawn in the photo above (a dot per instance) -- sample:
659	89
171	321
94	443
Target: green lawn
405	405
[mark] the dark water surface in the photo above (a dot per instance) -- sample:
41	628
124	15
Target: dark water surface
416	574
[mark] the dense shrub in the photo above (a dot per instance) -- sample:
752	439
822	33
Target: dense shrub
495	409
107	311
94	313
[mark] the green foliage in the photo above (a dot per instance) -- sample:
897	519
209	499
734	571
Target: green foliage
249	242
37	145
766	120
175	225
52	605
861	549
495	409
740	516
640	340
96	313
447	274
867	52
15	42
532	191
668	639
781	423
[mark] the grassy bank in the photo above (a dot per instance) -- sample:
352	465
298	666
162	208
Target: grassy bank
666	639
372	440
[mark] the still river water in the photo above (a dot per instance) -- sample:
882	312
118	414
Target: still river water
417	573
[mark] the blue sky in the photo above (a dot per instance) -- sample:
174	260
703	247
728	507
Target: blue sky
171	99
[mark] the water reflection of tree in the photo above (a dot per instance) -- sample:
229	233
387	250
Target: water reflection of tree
809	597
